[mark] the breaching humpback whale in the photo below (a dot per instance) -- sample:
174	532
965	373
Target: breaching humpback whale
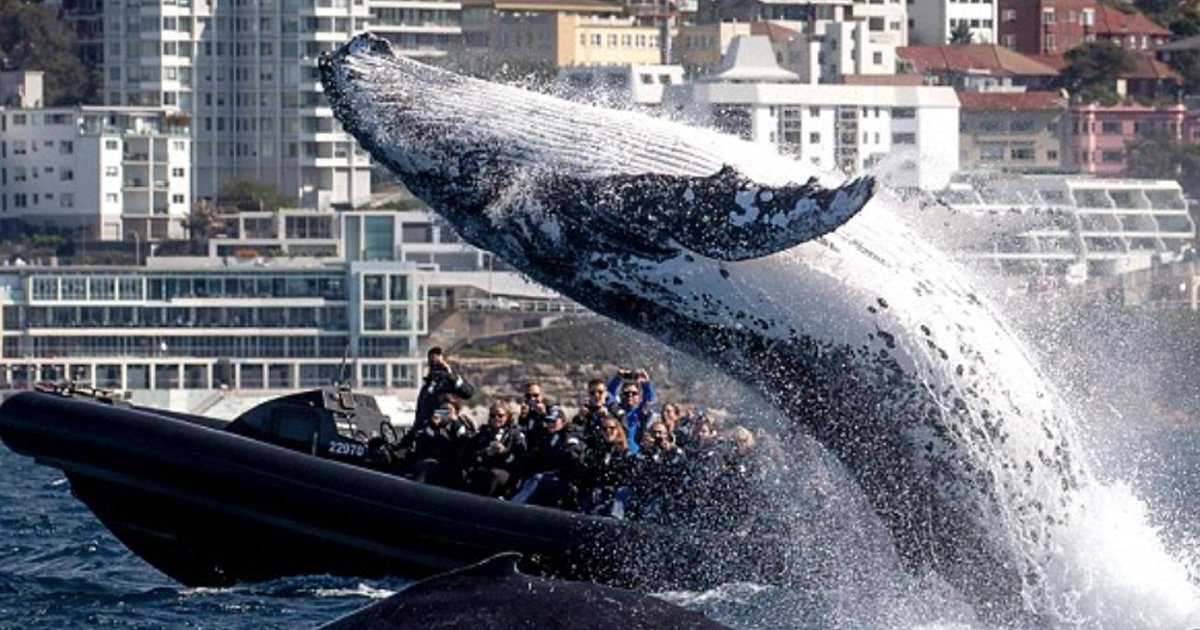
863	337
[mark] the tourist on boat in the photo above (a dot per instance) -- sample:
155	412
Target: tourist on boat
441	379
607	470
671	415
533	407
434	450
661	468
634	394
554	464
593	411
492	454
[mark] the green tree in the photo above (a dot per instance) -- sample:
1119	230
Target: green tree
248	195
961	35
1093	68
1159	156
203	221
33	38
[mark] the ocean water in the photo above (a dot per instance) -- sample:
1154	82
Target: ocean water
60	568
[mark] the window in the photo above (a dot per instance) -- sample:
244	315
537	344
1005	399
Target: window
1112	155
1009	15
1112	127
877	58
989	125
904	138
1022	153
991	153
904	112
66	147
814	138
1024	125
1048	15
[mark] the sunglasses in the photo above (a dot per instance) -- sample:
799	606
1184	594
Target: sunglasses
630	393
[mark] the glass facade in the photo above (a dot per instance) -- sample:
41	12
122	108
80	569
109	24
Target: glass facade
237	326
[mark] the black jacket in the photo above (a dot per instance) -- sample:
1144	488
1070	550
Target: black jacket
435	384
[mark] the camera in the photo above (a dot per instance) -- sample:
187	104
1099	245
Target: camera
627	374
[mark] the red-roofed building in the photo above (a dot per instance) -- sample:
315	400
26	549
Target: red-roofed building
974	66
1131	31
1045	27
1019	132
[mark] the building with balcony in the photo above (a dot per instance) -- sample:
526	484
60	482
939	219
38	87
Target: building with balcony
819	41
898	131
104	172
251	324
419	29
245	74
1068	228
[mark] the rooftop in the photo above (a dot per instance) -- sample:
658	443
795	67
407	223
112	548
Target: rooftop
751	59
996	60
1111	21
992	101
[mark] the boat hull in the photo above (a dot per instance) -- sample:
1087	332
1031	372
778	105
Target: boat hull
211	508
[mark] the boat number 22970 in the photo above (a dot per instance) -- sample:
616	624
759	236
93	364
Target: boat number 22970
351	449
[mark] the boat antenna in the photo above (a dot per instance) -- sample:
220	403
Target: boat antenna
341	380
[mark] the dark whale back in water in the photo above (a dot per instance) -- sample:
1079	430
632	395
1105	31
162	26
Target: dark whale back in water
493	594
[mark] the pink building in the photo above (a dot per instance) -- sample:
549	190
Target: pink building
1098	133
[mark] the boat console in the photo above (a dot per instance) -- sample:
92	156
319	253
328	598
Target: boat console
332	422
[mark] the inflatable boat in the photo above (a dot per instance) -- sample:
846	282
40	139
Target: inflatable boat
300	485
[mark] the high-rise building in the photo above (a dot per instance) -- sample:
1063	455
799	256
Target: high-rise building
246	74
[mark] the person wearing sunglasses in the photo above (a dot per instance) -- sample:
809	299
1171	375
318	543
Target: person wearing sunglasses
554	463
593	411
607	471
493	454
633	394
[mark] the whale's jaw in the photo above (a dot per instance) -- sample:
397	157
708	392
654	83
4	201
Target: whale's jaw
879	357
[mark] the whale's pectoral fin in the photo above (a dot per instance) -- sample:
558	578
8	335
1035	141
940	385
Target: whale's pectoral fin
730	217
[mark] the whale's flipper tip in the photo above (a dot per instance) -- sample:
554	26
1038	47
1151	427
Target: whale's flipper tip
732	218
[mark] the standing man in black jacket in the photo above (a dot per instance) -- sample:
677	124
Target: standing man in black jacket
440	379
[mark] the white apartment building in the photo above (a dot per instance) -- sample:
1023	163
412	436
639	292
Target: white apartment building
930	22
907	135
421	29
819	40
245	73
105	171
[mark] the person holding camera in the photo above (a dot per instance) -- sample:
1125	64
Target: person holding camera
593	411
434	449
494	452
441	379
633	394
533	408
